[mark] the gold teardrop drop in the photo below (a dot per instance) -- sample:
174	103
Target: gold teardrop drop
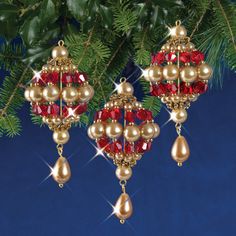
123	207
180	150
61	171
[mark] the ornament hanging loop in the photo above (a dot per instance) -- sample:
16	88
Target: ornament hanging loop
61	43
178	22
122	79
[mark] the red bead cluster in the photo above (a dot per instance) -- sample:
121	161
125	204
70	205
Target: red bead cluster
162	58
47	109
197	87
141	116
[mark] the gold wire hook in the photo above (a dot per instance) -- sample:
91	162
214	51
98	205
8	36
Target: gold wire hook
178	127
60	149
123	184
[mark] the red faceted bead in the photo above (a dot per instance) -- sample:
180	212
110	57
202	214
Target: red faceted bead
103	143
39	78
153	58
171	88
186	89
102	115
149	115
129	148
66	111
67	78
52	77
185	57
115	114
160	58
171	57
116	146
53	110
143	114
157	89
80	77
129	116
199	87
197	57
81	108
39	110
142	146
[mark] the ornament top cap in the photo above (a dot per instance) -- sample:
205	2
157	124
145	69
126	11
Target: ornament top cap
178	31
124	87
60	51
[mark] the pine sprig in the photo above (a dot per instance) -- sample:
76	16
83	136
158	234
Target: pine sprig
125	17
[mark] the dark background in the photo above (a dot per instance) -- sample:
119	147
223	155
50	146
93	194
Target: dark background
197	199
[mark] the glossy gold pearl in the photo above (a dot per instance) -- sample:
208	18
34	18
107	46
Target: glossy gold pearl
178	31
123	172
56	120
59	51
97	130
35	94
61	171
51	93
114	130
180	150
155	73
61	136
123	207
147	131
125	88
85	93
70	94
190	46
131	133
179	115
156	130
188	74
204	71
27	94
170	72
89	133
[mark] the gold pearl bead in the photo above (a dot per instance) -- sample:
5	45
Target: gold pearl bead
204	71
89	133
59	51
61	136
123	206
147	131
188	74
61	172
128	106
114	130
155	73
178	31
179	115
51	93
119	156
123	172
180	150
27	94
35	93
125	88
190	46
97	130
170	72
131	133
70	94
56	120
85	93
156	130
